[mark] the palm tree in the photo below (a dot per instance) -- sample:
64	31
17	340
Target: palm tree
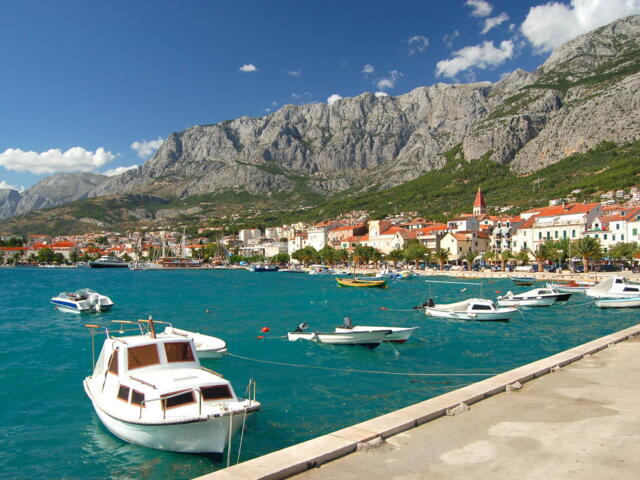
489	257
522	256
470	257
505	256
442	256
588	248
328	255
342	256
415	252
540	254
395	256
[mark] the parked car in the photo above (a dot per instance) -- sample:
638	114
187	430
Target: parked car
606	268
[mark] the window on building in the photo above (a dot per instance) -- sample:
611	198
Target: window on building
634	231
622	237
617	226
613	237
573	234
539	235
555	234
564	234
605	236
596	235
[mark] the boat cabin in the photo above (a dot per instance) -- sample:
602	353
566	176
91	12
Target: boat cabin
157	375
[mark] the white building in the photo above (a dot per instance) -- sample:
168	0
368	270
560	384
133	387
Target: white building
317	237
249	234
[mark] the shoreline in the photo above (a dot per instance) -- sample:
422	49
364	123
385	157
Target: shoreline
340	444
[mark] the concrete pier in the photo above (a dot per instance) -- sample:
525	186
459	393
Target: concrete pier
580	420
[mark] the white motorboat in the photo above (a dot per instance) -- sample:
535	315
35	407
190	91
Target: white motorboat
320	270
367	338
151	390
480	309
206	345
511	300
571	287
108	261
396	334
629	302
614	287
83	300
545	293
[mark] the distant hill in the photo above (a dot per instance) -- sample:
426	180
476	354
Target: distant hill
587	92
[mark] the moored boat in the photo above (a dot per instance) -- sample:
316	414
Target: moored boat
396	334
538	294
630	302
614	287
83	300
263	268
320	270
207	346
523	281
571	287
360	283
369	338
479	309
151	390
511	300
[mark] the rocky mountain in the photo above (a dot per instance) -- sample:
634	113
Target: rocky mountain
586	92
51	191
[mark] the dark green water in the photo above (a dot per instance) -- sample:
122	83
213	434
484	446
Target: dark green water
48	428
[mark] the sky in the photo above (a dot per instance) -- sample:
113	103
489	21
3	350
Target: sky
97	86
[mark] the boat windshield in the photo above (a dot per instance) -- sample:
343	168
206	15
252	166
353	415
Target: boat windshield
143	356
179	352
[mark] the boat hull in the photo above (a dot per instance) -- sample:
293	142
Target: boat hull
396	335
208	436
499	316
526	302
107	265
71	307
355	283
369	339
633	302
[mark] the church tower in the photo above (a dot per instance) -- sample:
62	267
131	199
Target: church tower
479	205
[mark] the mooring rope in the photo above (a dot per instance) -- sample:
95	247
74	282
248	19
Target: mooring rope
352	370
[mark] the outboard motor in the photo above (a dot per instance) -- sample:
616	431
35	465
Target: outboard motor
428	303
347	322
302	327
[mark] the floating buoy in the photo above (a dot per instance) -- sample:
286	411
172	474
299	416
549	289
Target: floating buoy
384	308
498	291
207	311
264	329
463	290
260	337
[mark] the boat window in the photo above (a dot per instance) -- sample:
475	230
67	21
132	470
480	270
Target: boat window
137	397
631	289
176	399
143	356
123	393
215	392
543	292
113	362
481	307
178	352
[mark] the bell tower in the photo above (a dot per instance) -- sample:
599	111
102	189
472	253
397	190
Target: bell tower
479	205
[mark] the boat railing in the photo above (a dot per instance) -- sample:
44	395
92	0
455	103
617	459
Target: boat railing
143	382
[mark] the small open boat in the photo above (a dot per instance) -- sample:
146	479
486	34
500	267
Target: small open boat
631	302
479	309
511	300
360	283
206	345
571	287
367	338
523	281
396	334
83	300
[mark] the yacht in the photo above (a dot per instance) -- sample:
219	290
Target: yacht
83	300
108	261
150	389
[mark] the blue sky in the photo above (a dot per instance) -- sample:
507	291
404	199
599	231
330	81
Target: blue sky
92	86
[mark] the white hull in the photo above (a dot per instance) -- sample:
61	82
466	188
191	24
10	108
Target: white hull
347	338
618	302
209	436
503	314
397	334
206	345
526	302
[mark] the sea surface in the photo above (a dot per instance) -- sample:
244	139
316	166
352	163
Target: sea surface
48	428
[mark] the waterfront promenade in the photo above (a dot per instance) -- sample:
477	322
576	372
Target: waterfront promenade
573	415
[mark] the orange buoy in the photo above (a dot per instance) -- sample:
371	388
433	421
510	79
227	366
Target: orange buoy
260	337
498	291
264	329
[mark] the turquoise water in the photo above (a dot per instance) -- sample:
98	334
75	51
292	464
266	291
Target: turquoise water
48	427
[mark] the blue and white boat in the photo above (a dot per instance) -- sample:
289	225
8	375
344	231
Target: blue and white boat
84	300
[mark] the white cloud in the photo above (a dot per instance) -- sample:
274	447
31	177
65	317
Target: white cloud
417	44
145	148
491	22
448	39
119	170
480	8
6	186
248	67
368	69
478	56
389	81
552	24
381	94
333	99
295	73
76	159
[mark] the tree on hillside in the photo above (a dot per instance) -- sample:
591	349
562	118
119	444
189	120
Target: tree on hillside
587	248
442	256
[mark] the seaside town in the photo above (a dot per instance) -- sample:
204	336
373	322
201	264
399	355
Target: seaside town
538	236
